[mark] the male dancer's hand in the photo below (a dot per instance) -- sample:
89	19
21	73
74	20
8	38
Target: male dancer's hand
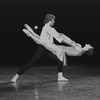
78	45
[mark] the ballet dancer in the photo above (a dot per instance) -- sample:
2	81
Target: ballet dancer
46	44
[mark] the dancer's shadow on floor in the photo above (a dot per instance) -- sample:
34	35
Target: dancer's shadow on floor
8	86
15	87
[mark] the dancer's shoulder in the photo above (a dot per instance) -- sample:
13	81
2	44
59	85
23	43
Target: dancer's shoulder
48	28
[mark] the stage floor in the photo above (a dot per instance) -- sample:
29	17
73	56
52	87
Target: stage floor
41	84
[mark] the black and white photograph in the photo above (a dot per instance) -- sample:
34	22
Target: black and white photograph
49	50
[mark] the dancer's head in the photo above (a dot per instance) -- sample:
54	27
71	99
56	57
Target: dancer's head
90	52
49	18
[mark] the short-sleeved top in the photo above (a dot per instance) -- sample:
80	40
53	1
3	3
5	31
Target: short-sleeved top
48	33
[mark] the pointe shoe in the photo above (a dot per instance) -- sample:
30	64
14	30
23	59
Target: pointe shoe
28	28
62	79
27	32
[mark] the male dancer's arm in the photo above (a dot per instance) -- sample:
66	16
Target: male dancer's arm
60	37
70	42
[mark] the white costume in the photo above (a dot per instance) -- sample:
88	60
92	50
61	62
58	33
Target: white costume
46	37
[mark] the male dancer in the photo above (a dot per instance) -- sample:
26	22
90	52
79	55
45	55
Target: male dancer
46	43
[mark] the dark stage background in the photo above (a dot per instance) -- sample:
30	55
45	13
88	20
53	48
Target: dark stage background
78	19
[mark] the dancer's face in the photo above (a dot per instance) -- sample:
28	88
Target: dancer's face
52	22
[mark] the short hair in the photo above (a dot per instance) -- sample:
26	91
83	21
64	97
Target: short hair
48	18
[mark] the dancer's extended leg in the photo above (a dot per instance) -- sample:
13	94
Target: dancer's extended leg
40	52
